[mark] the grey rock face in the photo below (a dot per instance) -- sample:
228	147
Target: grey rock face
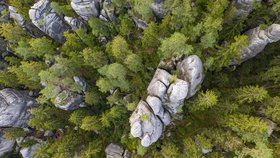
68	100
243	7
45	18
80	81
258	39
158	9
164	99
14	108
75	23
27	152
191	70
86	8
140	23
5	146
27	26
109	10
116	151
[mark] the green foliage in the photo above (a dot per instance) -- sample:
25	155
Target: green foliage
77	116
249	94
91	123
141	8
98	27
114	76
174	46
22	6
11	33
204	100
120	48
170	150
134	62
251	129
260	151
272	108
14	133
96	58
27	73
48	118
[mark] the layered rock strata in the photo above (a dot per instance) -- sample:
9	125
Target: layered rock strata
48	21
166	94
14	108
27	26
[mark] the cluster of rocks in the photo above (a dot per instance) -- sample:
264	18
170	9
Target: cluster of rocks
29	27
166	95
69	100
14	113
257	41
48	21
116	151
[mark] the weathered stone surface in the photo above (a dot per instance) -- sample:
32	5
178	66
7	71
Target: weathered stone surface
116	151
75	23
109	9
48	21
243	7
4	16
140	23
86	8
80	81
191	70
158	9
68	100
165	98
5	146
258	39
176	94
270	126
27	152
14	108
27	26
145	124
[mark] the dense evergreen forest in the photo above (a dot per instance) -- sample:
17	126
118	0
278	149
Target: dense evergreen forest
86	64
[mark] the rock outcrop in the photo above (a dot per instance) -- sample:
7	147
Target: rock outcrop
75	23
48	21
86	8
243	7
68	100
158	8
258	39
116	151
6	146
166	95
27	152
27	26
14	108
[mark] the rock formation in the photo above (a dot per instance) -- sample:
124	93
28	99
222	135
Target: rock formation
6	146
166	95
158	9
14	108
27	152
75	23
108	11
243	7
116	151
86	8
27	26
258	39
48	21
68	100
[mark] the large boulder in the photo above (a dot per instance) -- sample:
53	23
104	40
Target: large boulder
27	152
68	100
166	95
258	39
48	21
116	151
145	124
75	23
191	70
14	108
6	146
86	8
27	26
243	7
158	8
